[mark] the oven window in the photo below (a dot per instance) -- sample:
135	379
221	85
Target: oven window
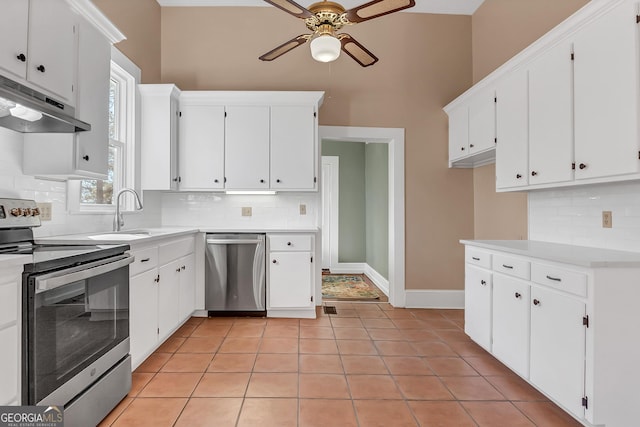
75	324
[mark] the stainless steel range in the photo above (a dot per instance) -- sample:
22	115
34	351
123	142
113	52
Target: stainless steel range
75	319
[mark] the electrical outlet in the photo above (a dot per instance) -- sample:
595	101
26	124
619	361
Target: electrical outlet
303	209
45	211
607	220
246	211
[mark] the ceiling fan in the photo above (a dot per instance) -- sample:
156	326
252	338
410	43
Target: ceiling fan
325	18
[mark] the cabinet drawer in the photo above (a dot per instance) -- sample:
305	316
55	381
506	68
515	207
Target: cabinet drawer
559	278
177	249
512	266
476	257
290	242
145	259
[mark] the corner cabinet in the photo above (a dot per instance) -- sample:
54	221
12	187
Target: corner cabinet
290	275
556	322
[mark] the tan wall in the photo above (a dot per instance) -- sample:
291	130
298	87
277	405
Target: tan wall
501	29
139	21
425	62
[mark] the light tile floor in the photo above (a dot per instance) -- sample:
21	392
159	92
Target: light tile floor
369	365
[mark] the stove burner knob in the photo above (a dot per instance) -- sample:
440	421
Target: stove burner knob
35	211
16	212
26	212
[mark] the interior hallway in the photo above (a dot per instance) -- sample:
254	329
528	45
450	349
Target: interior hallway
369	365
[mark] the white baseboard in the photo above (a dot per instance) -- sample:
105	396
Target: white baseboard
377	279
436	298
348	268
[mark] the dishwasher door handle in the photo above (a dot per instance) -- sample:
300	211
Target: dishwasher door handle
233	241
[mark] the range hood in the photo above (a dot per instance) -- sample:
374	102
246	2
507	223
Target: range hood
25	110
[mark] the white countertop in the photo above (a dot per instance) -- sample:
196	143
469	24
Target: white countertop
582	256
261	230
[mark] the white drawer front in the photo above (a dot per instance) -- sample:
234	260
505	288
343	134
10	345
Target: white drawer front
175	250
559	278
145	259
512	266
477	257
290	242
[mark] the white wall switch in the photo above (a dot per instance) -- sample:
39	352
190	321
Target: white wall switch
45	211
303	209
246	211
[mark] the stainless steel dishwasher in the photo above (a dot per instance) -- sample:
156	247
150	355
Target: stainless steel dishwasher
235	274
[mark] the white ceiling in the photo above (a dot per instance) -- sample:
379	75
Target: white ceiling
452	7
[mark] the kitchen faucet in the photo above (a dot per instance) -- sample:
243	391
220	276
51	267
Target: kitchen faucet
118	221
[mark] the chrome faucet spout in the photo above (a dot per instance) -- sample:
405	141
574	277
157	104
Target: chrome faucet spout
118	221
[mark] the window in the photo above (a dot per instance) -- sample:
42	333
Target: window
99	194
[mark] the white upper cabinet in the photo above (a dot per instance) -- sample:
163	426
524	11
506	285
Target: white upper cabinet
293	147
482	121
38	45
551	116
606	95
458	133
201	146
512	110
159	148
247	147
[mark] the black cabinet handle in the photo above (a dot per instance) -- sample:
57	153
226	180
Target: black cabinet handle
274	261
85	158
462	148
483	282
277	180
518	295
288	243
582	166
518	176
183	267
157	279
510	267
178	270
555	279
177	179
262	181
536	302
475	258
534	173
21	57
215	180
41	68
471	145
145	260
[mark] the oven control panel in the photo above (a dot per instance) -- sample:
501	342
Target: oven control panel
19	213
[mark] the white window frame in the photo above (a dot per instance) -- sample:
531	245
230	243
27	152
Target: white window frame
129	75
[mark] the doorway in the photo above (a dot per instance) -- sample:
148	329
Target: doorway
394	138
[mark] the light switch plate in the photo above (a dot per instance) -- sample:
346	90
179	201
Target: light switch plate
607	219
246	211
45	211
303	209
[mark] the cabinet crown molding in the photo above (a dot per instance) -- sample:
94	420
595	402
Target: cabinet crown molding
92	14
205	97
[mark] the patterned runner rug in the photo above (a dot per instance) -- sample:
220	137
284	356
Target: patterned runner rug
347	287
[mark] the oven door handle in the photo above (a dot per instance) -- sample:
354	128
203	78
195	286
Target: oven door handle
86	271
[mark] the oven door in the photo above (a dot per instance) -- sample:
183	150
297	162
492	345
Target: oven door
76	318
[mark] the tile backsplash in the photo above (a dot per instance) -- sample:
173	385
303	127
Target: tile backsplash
574	215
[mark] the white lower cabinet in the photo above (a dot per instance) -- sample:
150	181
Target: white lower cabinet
161	293
477	305
563	327
10	334
290	275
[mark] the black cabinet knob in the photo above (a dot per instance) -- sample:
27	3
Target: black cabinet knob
274	261
518	176
21	57
85	158
41	68
582	166
462	148
518	295
536	302
262	181
215	180
534	173
483	282
288	243
471	145
277	180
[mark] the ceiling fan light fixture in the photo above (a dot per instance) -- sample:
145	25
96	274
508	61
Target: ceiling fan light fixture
325	48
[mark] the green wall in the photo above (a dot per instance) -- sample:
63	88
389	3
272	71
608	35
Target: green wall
363	202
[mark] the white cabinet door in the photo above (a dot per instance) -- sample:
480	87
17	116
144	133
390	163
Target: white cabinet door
187	286
477	306
511	299
14	24
551	116
482	121
606	95
94	71
512	123
168	299
201	147
143	315
293	148
247	147
459	133
51	61
290	279
558	347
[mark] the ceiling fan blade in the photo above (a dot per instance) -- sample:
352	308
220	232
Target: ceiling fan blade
285	47
359	53
291	7
376	8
